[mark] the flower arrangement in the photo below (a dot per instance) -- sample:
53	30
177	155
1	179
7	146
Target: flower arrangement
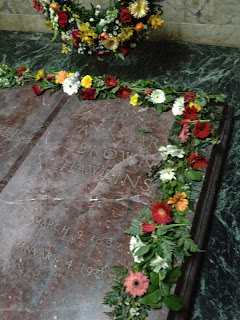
160	236
101	31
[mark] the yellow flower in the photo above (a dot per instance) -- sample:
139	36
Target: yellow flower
54	6
86	81
111	43
155	21
139	8
61	76
134	99
192	104
71	74
49	24
64	49
126	34
87	40
84	27
179	201
39	75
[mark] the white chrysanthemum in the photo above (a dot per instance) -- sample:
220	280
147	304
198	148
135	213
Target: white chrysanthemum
167	174
159	263
135	244
178	106
157	96
174	151
70	86
139	8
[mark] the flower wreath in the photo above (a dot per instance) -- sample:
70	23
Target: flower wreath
160	236
101	31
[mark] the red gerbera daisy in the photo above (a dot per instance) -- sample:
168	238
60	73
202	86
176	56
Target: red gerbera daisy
110	81
201	130
161	213
197	161
136	284
190	113
189	96
123	92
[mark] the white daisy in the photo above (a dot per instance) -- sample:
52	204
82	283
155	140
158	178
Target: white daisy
70	86
157	96
178	106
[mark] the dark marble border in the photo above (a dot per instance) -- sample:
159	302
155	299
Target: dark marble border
187	285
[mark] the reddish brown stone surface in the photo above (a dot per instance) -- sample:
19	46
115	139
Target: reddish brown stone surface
23	118
64	212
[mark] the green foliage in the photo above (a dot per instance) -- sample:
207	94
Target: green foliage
135	228
173	302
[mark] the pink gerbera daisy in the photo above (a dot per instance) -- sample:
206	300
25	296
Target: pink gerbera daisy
136	284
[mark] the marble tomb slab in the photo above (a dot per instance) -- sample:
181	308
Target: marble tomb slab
23	119
64	211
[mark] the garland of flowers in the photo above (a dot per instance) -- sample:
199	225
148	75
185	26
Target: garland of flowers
101	31
160	236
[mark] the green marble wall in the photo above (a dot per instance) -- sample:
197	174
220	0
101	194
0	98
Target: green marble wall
199	21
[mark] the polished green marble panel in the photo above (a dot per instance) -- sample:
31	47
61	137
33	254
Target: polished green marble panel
214	69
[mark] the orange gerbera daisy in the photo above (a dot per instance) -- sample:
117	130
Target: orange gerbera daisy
136	284
61	76
179	201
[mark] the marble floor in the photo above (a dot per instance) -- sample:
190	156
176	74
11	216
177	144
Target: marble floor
211	68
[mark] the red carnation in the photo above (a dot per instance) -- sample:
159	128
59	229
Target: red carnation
20	71
161	213
125	15
88	94
189	96
201	130
190	113
125	51
110	81
197	161
37	5
148	227
123	92
62	19
38	90
49	76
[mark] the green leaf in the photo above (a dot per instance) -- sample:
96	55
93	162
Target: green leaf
173	302
142	250
143	131
167	247
120	55
152	298
159	108
154	279
135	229
169	98
173	142
166	288
114	90
194	175
161	230
172	275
